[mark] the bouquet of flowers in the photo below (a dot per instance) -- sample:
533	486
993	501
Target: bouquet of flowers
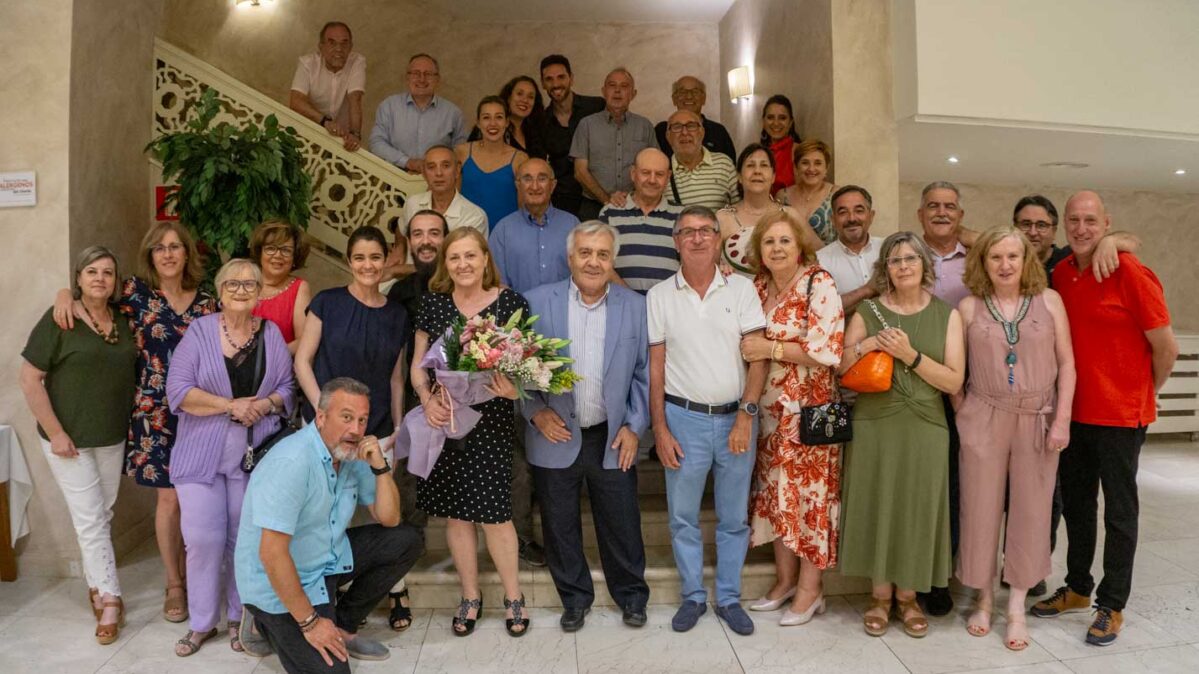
463	361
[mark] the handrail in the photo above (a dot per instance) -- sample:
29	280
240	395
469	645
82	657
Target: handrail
349	189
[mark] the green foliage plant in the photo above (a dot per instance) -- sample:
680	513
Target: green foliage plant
231	179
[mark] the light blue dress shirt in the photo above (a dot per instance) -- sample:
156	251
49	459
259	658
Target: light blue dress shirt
403	131
296	491
588	325
529	252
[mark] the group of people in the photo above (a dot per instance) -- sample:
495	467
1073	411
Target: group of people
703	325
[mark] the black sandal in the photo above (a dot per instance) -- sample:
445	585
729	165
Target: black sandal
460	619
517	619
399	613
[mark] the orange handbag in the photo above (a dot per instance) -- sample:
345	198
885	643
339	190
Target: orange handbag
872	372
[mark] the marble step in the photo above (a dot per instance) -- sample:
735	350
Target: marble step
655	524
434	584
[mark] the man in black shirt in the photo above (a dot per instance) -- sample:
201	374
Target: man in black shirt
690	93
1036	217
559	123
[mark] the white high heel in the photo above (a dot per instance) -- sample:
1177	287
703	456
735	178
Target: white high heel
789	619
767	604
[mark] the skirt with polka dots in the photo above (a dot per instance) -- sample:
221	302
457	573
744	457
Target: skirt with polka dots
472	479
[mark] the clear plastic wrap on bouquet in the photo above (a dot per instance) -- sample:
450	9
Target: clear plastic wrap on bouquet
421	443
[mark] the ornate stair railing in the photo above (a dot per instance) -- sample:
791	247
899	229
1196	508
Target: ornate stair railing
349	189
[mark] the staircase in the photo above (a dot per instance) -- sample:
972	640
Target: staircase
433	583
349	189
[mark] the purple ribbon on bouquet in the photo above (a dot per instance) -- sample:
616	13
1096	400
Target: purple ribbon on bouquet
421	443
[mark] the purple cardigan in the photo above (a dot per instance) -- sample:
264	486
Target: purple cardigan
199	363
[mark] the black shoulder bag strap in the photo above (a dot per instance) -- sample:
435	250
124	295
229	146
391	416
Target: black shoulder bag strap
674	189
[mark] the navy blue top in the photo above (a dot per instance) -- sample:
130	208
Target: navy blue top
360	342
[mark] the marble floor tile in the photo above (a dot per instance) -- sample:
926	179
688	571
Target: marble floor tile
152	651
1065	636
1169	660
543	649
1053	667
950	648
19	595
656	648
1183	552
833	642
35	645
1173	607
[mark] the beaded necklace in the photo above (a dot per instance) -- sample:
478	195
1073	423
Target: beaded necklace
1011	332
110	337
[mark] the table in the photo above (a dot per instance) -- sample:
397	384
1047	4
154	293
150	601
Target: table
16	488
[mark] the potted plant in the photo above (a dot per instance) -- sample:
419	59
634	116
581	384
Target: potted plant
230	179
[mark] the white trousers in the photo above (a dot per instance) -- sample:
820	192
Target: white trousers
89	484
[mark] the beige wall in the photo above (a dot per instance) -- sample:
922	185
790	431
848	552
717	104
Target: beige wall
35	257
788	44
260	46
1158	218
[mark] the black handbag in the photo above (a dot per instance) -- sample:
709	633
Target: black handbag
254	455
827	424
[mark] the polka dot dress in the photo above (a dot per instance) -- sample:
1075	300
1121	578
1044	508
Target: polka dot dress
472	479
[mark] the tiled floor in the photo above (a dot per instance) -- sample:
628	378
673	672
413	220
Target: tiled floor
45	627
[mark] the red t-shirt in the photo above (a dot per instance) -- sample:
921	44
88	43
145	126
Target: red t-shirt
1108	322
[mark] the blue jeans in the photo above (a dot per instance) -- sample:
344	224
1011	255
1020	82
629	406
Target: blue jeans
704	440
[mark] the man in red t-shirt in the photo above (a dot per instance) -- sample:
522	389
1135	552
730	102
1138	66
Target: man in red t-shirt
1124	350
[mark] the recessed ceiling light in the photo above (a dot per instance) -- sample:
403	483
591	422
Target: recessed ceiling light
1065	164
1180	172
952	159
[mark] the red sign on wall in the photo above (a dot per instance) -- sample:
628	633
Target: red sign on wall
161	210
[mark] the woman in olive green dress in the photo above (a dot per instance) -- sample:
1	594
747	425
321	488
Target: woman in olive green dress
896	487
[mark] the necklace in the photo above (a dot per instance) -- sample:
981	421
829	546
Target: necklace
111	336
1011	332
229	339
899	323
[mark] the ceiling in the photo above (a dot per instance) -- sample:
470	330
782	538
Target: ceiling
698	11
998	152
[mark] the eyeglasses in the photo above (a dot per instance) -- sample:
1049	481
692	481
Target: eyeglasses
249	287
281	251
689	92
697	232
423	74
1039	225
539	180
170	248
903	261
678	127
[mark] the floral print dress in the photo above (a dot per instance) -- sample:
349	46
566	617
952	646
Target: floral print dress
796	488
157	330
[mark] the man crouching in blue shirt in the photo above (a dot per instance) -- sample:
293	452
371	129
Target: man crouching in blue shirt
294	550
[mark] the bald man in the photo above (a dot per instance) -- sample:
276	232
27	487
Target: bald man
690	93
698	176
1124	349
645	221
529	245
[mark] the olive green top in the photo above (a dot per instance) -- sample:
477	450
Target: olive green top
90	382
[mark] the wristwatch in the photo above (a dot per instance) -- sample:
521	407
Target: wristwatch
382	471
749	408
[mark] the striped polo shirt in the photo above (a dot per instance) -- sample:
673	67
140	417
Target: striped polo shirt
712	183
647	253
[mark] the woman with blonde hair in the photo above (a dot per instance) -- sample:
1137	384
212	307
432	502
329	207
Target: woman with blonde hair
796	496
160	301
472	483
1014	420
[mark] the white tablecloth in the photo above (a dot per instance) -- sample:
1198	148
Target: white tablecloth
15	472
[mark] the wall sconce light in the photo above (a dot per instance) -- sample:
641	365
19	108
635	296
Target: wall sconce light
740	84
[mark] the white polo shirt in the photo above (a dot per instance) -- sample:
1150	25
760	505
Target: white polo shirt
461	212
327	89
703	337
850	270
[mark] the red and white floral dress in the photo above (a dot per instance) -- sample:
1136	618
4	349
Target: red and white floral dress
797	488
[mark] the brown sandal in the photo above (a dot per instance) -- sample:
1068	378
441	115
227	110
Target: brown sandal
190	647
914	625
235	637
174	609
106	633
877	626
92	593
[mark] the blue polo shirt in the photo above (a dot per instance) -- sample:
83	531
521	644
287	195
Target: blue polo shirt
531	252
296	491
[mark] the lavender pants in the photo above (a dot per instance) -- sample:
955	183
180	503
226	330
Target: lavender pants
210	514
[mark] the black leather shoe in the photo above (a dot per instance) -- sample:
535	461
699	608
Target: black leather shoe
634	616
573	619
532	553
938	601
1038	589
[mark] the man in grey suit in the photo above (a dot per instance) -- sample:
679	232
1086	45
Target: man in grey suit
589	435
